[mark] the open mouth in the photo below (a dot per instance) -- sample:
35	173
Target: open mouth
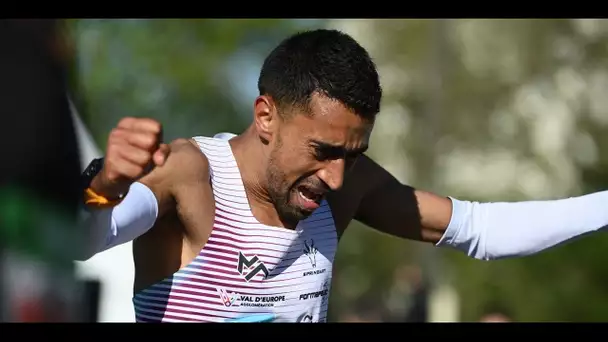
310	195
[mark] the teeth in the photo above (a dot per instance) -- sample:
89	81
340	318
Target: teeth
305	197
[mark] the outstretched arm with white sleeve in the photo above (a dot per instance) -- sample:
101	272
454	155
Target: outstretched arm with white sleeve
484	231
489	231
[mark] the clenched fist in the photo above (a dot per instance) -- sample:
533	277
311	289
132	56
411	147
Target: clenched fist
134	148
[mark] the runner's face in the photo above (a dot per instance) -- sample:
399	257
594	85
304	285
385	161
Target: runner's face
311	154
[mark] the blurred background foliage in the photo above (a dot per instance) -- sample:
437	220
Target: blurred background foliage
486	110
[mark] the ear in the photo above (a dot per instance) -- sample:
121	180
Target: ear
265	117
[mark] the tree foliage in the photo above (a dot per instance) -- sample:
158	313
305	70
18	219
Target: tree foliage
189	74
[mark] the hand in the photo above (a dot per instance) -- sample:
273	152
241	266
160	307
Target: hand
134	148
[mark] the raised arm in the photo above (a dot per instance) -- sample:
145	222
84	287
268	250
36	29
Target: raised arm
129	189
483	231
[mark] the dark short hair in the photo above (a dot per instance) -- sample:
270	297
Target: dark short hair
326	61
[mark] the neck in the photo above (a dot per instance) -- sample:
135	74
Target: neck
251	159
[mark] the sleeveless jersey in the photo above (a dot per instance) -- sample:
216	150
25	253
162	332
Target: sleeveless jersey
247	271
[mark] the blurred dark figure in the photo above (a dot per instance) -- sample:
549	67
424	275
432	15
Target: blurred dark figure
418	312
408	295
40	151
39	173
419	293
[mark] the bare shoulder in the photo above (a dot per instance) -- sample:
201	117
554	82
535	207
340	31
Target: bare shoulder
185	165
193	194
185	159
189	158
188	214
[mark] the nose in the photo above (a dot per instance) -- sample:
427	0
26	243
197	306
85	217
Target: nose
333	174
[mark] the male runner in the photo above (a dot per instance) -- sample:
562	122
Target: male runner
246	227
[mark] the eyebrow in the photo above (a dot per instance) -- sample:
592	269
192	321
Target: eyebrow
354	151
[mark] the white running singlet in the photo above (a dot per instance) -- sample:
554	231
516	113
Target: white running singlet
247	271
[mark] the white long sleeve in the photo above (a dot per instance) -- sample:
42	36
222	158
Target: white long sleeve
107	228
488	231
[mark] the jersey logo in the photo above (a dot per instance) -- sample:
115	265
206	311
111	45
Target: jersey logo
245	263
305	317
311	252
227	299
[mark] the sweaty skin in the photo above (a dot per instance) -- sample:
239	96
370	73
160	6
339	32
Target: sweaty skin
322	148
